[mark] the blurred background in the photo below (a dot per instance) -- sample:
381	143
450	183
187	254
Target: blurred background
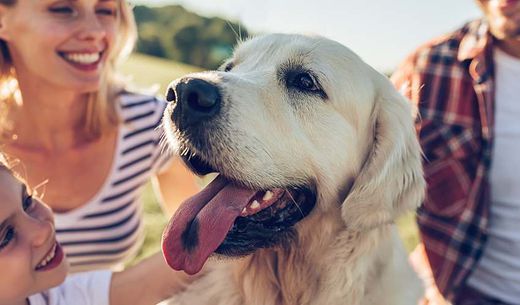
177	37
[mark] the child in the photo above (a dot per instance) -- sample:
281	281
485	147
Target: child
33	269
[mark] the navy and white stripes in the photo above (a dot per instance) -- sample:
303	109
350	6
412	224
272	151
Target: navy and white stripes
107	230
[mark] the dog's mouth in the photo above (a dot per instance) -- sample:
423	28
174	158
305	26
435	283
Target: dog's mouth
230	219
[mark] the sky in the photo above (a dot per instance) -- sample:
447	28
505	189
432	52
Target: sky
382	32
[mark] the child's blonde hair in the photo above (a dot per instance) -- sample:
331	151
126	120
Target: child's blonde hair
101	113
4	163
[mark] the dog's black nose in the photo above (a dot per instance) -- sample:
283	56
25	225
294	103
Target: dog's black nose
197	100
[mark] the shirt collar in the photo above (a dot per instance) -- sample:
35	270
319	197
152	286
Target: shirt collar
476	49
475	42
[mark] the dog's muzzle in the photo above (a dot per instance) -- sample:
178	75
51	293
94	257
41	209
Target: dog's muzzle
195	101
229	216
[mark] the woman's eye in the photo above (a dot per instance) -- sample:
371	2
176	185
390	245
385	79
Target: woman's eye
62	10
27	203
6	238
106	12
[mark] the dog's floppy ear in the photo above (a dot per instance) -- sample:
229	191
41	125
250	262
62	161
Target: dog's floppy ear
391	180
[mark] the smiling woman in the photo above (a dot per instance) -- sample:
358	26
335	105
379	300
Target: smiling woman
76	130
50	25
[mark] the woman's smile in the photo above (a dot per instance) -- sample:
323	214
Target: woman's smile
83	60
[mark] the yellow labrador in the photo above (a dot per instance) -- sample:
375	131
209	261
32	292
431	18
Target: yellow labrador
317	157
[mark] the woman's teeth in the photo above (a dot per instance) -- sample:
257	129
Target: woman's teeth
83	58
48	258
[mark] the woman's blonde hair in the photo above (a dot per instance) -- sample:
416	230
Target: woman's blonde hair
101	113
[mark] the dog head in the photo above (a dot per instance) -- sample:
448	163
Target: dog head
295	125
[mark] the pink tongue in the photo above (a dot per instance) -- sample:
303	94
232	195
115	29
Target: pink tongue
201	223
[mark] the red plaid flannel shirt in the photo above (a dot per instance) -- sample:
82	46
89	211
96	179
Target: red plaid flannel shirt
451	81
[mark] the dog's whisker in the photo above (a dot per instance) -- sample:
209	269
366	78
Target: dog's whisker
237	34
163	144
296	204
262	148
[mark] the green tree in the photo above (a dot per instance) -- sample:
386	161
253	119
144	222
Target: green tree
175	33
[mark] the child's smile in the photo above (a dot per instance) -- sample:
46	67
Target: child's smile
30	258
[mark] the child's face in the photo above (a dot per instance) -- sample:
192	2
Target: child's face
30	258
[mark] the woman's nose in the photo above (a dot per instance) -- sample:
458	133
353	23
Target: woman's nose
91	28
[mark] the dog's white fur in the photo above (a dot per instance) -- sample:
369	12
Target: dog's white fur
357	145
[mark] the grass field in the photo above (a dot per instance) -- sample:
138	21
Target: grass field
146	71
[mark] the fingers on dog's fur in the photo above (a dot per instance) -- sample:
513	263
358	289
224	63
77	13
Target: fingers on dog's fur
391	181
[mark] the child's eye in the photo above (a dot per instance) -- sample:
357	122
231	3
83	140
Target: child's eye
27	203
6	238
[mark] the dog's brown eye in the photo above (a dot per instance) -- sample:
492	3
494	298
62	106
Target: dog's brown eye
306	81
228	67
302	81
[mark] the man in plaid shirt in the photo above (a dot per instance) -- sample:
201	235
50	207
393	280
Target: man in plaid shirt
467	88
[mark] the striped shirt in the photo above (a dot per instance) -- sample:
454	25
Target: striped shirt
107	230
451	80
